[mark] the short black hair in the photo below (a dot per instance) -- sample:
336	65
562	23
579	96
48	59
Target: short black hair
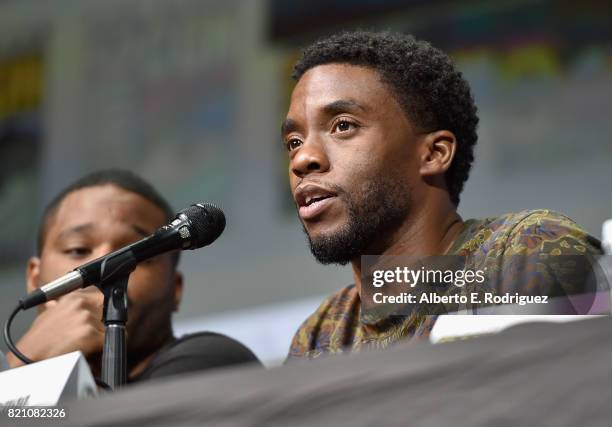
424	80
121	178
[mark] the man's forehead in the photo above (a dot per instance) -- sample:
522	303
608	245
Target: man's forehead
325	85
105	203
351	80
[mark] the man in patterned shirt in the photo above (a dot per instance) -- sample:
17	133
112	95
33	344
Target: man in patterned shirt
380	133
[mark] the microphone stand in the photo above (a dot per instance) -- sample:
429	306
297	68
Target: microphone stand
114	276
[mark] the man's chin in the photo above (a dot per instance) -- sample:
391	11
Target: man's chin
331	248
323	230
319	238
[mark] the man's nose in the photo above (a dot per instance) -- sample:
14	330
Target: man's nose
310	158
102	250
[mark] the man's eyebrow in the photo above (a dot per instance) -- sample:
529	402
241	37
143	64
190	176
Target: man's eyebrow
288	126
77	229
83	228
331	109
343	106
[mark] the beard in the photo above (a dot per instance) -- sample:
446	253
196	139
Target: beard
375	211
149	328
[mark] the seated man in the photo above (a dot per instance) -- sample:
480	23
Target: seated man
380	135
96	215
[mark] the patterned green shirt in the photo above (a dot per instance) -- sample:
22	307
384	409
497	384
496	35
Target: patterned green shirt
496	243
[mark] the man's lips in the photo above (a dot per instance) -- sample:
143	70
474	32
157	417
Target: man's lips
312	200
315	208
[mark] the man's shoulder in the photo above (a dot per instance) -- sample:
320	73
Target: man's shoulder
526	231
536	252
197	352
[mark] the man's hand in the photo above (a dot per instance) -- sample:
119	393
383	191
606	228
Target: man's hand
68	324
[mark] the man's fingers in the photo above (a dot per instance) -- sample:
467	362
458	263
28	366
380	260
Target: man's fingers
90	290
50	304
90	295
76	301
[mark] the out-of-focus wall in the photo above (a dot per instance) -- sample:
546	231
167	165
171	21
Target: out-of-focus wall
190	94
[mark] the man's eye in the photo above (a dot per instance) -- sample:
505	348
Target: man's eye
292	144
343	126
77	251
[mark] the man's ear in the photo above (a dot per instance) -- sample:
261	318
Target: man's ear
178	289
437	152
33	274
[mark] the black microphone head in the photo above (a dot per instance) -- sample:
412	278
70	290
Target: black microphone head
207	223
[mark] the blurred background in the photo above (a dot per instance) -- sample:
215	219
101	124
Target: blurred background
190	94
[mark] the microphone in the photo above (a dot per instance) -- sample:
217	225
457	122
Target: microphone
192	228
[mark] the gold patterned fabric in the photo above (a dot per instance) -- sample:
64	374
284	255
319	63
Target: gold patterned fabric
522	242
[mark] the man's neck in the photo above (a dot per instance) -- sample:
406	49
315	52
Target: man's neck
428	231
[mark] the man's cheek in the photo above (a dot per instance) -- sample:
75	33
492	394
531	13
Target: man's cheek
140	295
148	289
54	266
